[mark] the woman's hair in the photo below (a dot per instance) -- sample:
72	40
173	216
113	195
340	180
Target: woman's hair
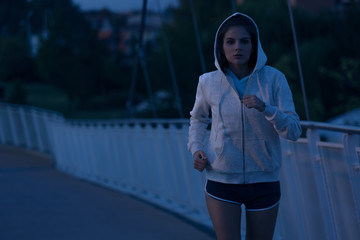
237	20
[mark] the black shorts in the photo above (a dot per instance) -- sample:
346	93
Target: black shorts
255	196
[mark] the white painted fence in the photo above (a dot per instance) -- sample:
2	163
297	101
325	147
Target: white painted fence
320	181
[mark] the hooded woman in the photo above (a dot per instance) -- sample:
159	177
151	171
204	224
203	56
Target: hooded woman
251	106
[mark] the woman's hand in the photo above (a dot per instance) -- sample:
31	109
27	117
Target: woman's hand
200	160
252	101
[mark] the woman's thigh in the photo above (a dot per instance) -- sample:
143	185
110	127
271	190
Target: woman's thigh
226	218
260	225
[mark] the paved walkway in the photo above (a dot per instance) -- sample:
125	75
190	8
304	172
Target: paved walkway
39	203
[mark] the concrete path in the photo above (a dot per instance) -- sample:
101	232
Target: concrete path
39	203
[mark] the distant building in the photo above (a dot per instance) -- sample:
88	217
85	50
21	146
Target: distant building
316	5
108	26
351	118
121	30
130	31
106	30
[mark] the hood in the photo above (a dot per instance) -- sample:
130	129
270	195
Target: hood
261	57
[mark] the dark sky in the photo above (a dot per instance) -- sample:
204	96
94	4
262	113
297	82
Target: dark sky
121	5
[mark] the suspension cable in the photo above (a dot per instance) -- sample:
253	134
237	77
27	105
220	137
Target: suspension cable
298	61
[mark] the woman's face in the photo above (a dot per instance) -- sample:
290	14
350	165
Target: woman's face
237	46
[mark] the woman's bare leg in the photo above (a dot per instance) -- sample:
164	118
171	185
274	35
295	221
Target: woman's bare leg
226	218
260	225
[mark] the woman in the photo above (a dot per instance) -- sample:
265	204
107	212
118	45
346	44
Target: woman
251	105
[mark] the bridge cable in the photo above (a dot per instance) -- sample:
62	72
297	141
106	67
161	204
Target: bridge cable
171	65
298	61
140	58
198	41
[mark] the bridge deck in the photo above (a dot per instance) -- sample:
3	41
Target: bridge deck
39	202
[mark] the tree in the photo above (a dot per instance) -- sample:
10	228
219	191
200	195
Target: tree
70	57
16	64
13	16
15	60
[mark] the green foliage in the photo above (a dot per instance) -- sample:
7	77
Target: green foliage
15	59
69	57
18	95
73	59
13	15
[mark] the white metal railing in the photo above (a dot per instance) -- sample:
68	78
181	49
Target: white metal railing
320	181
146	158
25	126
321	185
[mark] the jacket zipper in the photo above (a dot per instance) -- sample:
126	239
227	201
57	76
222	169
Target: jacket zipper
243	130
243	137
243	125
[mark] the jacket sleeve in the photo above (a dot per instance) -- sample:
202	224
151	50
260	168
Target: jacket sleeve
199	119
282	115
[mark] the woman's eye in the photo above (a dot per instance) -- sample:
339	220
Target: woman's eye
230	41
245	41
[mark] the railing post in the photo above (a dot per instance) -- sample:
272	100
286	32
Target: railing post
51	127
2	125
109	151
352	156
13	130
25	126
43	141
317	165
291	218
39	138
118	156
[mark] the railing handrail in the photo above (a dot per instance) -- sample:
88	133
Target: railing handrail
31	108
330	127
130	121
304	124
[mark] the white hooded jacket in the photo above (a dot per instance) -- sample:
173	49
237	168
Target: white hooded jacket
244	144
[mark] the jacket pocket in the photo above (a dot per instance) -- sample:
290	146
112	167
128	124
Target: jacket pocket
213	149
259	156
230	158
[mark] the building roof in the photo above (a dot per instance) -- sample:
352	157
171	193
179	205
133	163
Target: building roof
351	118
